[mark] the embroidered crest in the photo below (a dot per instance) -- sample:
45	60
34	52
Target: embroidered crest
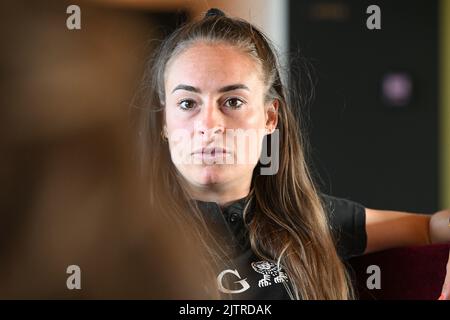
269	271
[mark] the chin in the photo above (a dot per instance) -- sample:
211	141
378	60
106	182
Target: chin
210	175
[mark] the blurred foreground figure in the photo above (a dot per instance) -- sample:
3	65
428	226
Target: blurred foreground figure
69	192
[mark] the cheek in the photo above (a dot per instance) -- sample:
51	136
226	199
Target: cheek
177	126
253	124
179	139
171	121
252	118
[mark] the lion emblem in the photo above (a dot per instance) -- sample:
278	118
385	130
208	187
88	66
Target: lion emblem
269	270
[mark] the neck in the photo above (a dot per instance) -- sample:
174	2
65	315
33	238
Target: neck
221	194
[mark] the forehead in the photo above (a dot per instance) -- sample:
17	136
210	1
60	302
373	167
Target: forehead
213	65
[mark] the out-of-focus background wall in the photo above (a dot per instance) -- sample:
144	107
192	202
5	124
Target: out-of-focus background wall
380	121
444	107
376	119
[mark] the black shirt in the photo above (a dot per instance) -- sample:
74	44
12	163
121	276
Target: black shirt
250	277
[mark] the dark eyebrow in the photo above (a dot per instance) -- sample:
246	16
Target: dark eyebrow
221	90
186	87
233	87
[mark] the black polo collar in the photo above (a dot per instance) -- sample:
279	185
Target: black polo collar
228	222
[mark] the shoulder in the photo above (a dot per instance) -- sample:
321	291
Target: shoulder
347	221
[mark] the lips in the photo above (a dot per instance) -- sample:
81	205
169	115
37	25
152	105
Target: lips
212	151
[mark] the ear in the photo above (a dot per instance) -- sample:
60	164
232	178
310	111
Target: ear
163	123
272	116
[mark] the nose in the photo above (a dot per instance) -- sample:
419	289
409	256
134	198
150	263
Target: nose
211	120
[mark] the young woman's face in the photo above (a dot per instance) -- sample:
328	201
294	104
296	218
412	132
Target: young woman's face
215	115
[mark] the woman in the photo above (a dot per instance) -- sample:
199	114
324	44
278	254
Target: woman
214	105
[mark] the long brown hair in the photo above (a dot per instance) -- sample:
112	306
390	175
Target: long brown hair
288	225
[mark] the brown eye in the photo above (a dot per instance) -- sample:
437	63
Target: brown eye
186	104
234	103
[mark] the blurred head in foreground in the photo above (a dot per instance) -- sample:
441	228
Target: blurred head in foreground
70	194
